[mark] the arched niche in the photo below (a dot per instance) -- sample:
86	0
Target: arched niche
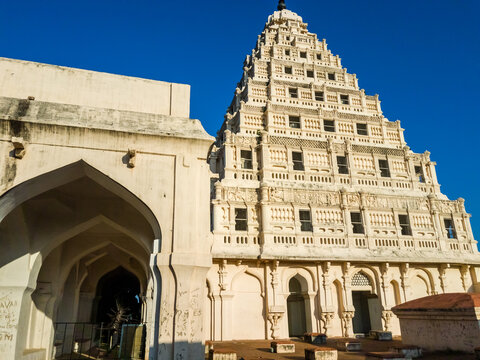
55	228
368	307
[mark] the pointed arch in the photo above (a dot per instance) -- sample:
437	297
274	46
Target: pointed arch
64	175
309	283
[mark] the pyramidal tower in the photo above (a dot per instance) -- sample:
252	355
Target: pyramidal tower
323	218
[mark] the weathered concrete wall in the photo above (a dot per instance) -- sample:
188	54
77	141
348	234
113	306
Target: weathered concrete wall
51	83
442	334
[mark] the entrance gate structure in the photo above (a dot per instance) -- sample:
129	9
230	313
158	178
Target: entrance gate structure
91	182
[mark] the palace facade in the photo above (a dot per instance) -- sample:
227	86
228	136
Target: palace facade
307	213
323	218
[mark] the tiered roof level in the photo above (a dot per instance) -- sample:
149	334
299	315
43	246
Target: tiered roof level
307	166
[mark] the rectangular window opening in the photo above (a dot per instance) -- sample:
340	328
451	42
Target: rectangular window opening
288	70
342	164
246	157
405	224
293	93
240	219
303	54
344	99
331	76
287	52
362	129
319	96
319	56
357	223
310	73
294	122
305	220
384	169
419	173
450	228
297	159
329	125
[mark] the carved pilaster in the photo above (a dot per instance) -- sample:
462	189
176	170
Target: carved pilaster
387	316
404	279
463	275
385	283
347	286
442	276
222	274
275	315
347	317
327	318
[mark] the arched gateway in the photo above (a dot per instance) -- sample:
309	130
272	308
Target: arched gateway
72	227
94	247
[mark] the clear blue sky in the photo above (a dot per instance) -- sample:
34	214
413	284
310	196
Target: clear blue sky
422	57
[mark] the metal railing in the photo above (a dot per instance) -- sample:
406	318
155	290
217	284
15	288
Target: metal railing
75	341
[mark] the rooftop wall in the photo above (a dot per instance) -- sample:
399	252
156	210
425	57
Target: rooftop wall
57	84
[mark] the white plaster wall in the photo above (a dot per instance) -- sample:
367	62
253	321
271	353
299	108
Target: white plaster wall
248	320
418	287
20	79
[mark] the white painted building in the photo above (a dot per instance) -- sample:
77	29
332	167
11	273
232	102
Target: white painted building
323	218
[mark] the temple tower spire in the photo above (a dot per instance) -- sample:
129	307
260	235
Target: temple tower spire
281	5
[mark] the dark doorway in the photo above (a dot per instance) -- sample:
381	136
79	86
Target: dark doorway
117	289
296	309
361	319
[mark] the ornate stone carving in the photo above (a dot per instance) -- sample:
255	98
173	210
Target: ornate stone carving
274	274
442	276
387	316
463	274
327	318
275	315
222	274
347	317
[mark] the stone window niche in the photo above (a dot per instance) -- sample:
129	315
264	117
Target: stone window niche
362	129
319	56
384	168
288	70
305	220
404	222
419	173
329	125
342	164
293	92
240	219
287	52
246	158
297	159
331	76
344	100
294	122
450	228
319	96
303	54
357	223
310	73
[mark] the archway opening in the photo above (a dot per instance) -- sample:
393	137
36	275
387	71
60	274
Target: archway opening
74	225
296	309
368	311
118	293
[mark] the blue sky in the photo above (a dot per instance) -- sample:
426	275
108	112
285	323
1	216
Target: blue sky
422	57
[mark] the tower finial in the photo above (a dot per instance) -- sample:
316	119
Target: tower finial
281	5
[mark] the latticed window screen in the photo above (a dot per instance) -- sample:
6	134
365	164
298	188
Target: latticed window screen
359	279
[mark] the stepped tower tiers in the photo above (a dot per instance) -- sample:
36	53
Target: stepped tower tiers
313	183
